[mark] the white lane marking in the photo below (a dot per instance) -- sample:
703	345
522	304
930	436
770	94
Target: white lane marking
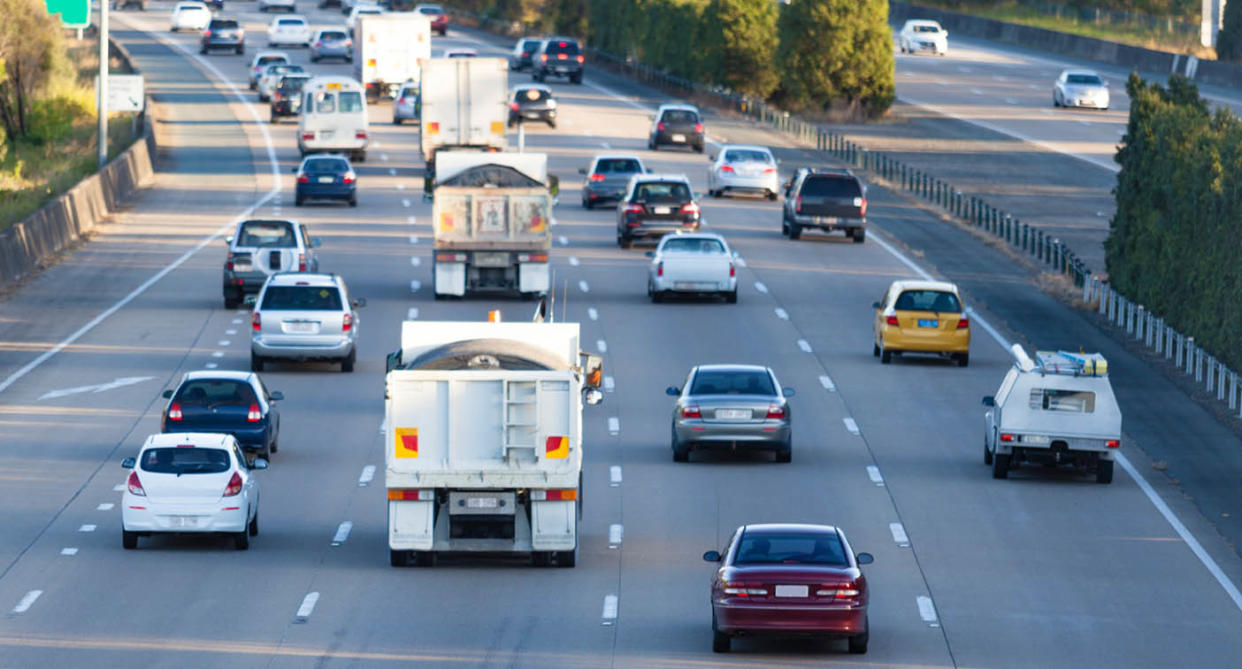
827	383
606	145
976	91
899	534
1010	101
416	261
211	365
562	240
342	532
741	262
610	609
610	384
614	475
70	550
927	610
413	239
120	487
368	473
573	261
86	528
782	314
615	533
850	425
96	388
223	342
614	426
405	202
584	287
412	314
873	473
415	285
217	354
804	345
237	321
307	607
1227	584
400	186
384	157
230	332
601	345
107	506
1084	122
592	313
375	144
392	171
412	220
29	600
760	287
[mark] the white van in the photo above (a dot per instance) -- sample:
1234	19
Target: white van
333	117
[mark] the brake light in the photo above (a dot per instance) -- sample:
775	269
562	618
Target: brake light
228	264
691	412
349	42
234	487
732	271
253	415
633	209
526	54
698	127
727	168
798	204
743	590
301	262
319	43
838	590
513	106
360	134
207	33
963	323
770	170
347	322
1113	443
256	321
891	320
660	269
561	495
581	59
450	257
135	486
532	257
349	178
303	179
690	208
596	177
660	125
399	495
561	56
174	411
276	96
543	57
776	411
562	45
1005	436
307	136
862	206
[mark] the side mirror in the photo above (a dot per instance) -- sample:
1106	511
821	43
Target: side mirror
875	305
593	371
649	254
294	170
647	170
593	396
128	463
359	302
167	394
228	240
259	463
554	185
711	556
673	391
788	392
582	170
277	396
316	242
864	558
251	300
989	401
392	361
712	157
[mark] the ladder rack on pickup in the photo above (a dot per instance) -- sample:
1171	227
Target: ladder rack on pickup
1072	364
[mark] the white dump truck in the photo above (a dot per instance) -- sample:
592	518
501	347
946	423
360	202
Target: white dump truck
483	423
390	51
465	105
492	218
1056	409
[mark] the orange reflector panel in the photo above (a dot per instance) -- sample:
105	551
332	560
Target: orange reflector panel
498	127
405	442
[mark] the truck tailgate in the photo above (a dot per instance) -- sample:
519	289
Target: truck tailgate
696	268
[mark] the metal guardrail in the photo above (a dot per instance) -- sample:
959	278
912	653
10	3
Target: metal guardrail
1120	311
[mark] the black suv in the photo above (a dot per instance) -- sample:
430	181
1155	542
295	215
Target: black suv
828	199
532	102
223	34
677	124
558	57
287	97
655	205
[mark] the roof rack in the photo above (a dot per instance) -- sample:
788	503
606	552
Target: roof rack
1073	364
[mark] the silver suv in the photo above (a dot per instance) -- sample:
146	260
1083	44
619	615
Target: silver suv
261	248
304	317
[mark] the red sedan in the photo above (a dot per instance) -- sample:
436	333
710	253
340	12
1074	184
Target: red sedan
789	580
439	20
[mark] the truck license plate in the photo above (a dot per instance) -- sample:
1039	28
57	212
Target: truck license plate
491	259
482	503
733	414
791	591
928	323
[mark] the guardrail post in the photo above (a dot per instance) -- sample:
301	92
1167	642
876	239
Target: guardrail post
1104	294
1220	381
1233	390
1191	355
1148	337
1136	328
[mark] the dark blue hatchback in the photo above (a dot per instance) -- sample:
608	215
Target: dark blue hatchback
326	177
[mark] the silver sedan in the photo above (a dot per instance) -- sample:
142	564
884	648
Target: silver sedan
1080	88
743	168
735	407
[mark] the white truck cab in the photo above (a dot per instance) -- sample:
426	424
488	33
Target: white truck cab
333	117
1056	409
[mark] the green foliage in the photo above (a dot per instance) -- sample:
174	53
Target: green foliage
1229	39
1174	242
745	38
30	43
837	53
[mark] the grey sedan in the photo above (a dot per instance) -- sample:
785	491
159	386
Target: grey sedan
608	177
736	407
331	43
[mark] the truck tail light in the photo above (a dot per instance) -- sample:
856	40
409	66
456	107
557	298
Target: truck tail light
207	33
690	209
174	411
349	178
134	485
319	43
891	320
691	412
360	134
234	487
253	415
532	257
256	322
776	411
596	177
963	323
559	495
347	322
1113	443
543	57
1005	436
450	257
402	495
433	128
561	56
581	59
307	136
744	589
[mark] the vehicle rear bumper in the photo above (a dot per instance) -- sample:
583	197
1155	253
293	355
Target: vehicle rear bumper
767	183
331	145
230	43
690	138
157	517
671	284
243	282
651	230
830	222
302	348
957	342
327	191
762	435
790	619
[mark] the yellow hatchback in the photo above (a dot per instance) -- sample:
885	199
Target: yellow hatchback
922	317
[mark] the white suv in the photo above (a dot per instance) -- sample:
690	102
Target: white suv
300	317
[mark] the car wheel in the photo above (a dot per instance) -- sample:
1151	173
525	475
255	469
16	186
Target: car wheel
651	145
772	195
680	453
1056	102
625	242
858	642
963	359
859	235
256	363
353	201
657	296
129	540
241	541
551	123
253	527
396	121
587	204
204	52
731	296
875	350
253	84
265	452
784	227
721	642
1000	465
987	454
795	230
886	356
347	365
399	558
276	445
1104	471
785	455
241	50
698	148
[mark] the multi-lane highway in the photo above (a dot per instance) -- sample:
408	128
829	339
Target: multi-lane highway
1044	569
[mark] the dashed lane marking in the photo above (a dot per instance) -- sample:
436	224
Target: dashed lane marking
826	382
368	473
307	607
782	314
614	475
584	286
342	532
412	314
760	287
69	551
610	609
850	425
899	534
615	533
601	345
614	428
804	345
927	610
873	473
592	313
30	598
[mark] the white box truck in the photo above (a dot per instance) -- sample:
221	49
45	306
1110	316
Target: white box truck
483	424
465	105
492	219
1058	409
390	51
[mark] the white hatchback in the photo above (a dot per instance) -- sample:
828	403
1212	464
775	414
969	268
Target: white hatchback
293	30
190	482
190	16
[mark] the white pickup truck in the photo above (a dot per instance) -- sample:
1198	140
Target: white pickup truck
692	264
1056	409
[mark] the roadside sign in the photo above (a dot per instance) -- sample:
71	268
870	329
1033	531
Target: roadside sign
73	13
125	92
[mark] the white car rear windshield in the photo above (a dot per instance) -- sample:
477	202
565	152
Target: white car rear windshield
746	155
185	461
692	245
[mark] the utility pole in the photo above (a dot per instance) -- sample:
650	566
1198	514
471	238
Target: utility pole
102	89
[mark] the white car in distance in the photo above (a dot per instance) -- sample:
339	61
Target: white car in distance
192	483
696	263
922	35
293	30
741	168
459	52
268	5
359	10
1080	88
190	16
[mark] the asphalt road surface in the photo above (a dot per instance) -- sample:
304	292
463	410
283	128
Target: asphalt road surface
1044	569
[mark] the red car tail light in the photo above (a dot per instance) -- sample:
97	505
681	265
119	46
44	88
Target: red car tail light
698	127
543	57
690	209
633	209
1006	437
319	43
963	323
1113	443
347	322
862	207
776	411
301	262
798	204
135	486
360	134
744	590
513	106
256	322
234	487
174	411
691	412
253	415
207	33
838	590
660	269
727	168
303	179
308	136
769	170
581	59
732	271
660	126
891	320
228	263
276	97
349	178
596	177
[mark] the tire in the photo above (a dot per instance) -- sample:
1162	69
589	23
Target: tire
1000	465
680	453
652	146
265	452
575	79
254	85
785	456
347	365
231	302
731	296
858	642
256	363
859	235
587	204
241	50
625	242
276	445
253	528
551	123
399	558
241	541
963	359
314	59
885	356
875	350
298	200
721	642
353	201
698	148
987	454
1104	471
772	195
795	230
129	540
362	156
784	227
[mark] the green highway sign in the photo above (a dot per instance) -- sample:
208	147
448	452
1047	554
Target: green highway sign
73	13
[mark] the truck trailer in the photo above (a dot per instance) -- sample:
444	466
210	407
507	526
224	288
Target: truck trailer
465	106
391	50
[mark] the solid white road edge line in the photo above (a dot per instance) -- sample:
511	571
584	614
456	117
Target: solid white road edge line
307	607
368	473
342	532
28	601
1230	588
873	473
